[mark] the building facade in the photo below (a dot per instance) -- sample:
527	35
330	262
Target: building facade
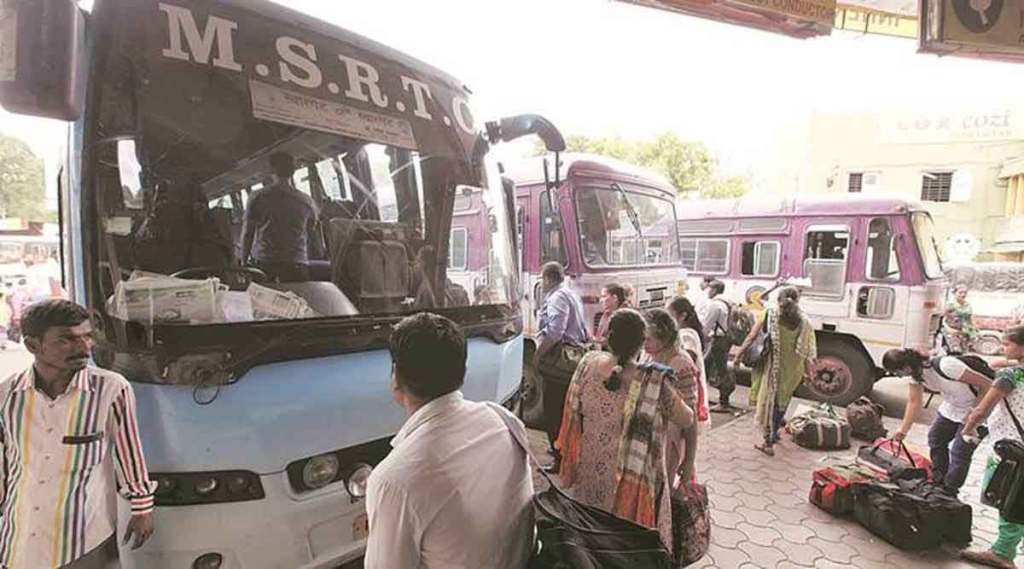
966	166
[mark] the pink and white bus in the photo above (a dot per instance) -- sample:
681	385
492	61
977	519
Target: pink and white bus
874	271
605	221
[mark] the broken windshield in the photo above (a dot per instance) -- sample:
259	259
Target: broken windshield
227	196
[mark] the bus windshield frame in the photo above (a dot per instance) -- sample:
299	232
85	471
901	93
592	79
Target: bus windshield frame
623	208
928	248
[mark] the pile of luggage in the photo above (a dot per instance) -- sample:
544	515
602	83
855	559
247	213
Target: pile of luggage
888	489
824	429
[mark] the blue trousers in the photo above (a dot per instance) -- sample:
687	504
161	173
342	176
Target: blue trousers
950	462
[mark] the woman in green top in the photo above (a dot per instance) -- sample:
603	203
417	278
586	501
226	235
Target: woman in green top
789	360
1003	405
958	322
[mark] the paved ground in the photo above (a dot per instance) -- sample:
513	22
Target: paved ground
762	518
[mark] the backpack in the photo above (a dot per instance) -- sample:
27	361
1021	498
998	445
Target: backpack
865	417
739	322
973	362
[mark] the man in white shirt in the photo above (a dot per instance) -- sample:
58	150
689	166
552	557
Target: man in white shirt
456	490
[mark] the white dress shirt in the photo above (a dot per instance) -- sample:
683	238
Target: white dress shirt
455	492
64	462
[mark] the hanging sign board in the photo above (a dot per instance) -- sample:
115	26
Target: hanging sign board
987	29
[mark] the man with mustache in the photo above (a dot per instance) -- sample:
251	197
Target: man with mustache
69	442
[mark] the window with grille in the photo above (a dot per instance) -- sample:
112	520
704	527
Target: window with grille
935	186
705	255
856	184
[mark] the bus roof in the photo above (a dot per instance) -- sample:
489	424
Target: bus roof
752	206
531	171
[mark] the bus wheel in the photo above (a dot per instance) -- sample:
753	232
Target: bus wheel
988	343
842	375
531	406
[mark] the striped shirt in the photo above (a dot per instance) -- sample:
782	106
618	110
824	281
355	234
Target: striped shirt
63	462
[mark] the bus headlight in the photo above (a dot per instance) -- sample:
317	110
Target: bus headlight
194	488
320	471
357	480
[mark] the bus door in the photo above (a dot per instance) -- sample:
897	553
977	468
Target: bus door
882	297
826	257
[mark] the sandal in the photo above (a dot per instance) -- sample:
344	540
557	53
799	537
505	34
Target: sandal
987	558
766	448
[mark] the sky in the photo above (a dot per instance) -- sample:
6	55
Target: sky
604	68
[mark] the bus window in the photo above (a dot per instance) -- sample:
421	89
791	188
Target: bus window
825	255
130	174
760	258
458	251
705	255
552	247
332	176
882	263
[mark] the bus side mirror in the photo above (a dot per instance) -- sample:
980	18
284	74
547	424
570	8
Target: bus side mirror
42	58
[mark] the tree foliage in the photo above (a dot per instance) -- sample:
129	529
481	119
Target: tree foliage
690	166
22	186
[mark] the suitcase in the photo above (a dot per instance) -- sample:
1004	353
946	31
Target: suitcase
913	516
832	487
820	429
894	460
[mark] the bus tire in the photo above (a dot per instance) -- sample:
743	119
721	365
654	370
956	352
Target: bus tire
843	374
531	403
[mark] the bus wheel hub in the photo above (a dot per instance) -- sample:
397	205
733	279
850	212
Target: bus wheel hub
831	378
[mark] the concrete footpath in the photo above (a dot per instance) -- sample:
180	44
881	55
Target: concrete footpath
762	519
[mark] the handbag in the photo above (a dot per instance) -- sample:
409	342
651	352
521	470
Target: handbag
691	523
560	362
759	349
573	535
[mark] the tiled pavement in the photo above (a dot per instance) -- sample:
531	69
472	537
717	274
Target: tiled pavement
762	519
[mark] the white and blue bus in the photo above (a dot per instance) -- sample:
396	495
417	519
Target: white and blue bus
263	405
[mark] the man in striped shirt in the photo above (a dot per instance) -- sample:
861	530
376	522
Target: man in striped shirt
69	441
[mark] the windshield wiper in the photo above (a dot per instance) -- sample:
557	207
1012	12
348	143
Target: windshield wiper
631	212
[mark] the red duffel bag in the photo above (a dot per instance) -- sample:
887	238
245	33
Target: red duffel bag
832	487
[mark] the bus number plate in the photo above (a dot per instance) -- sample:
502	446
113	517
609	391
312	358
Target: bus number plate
360	527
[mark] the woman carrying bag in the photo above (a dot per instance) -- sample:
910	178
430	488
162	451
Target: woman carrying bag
790	351
1005	402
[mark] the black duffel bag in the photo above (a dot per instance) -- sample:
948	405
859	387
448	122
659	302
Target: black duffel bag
573	535
1005	490
912	515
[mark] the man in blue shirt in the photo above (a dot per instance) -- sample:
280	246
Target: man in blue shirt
560	321
280	227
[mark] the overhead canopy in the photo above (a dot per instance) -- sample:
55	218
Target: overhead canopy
796	18
990	29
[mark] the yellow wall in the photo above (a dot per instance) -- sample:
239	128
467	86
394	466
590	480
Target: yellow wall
833	145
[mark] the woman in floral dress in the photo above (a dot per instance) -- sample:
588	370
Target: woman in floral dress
958	322
614	435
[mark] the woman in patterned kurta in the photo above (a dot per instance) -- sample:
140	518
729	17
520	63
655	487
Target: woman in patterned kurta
614	431
1008	387
791	358
662	346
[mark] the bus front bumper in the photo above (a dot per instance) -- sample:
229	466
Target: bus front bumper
319	530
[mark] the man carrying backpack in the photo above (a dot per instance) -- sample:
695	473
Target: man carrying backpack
961	388
716	357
